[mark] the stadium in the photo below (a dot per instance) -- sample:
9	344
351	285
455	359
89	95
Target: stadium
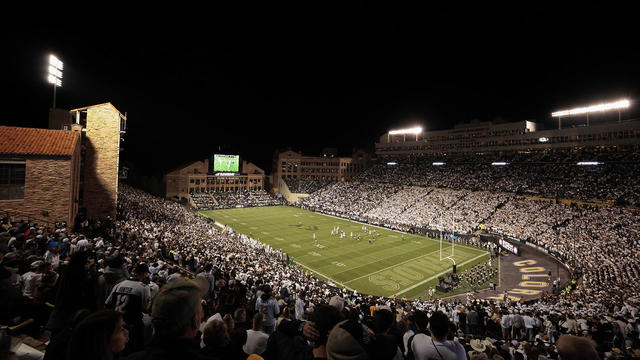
479	240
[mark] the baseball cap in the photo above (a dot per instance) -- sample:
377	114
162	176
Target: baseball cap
341	345
337	302
178	300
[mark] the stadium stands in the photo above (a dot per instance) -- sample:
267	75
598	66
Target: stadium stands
234	199
596	233
305	186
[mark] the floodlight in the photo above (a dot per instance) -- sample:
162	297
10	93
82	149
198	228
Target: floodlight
55	71
392	163
54	75
543	139
499	163
437	164
415	130
588	163
55	62
621	104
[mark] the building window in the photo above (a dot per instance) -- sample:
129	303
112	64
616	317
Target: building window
12	181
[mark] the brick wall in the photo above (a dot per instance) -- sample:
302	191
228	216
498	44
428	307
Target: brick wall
48	194
177	181
102	151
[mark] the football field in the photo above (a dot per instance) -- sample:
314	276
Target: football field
394	264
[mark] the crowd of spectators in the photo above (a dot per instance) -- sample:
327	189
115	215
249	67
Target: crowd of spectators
612	179
235	199
160	282
305	186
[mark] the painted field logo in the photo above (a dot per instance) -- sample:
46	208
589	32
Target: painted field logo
531	276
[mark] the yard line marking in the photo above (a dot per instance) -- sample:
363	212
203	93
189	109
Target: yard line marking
324	276
392	266
436	275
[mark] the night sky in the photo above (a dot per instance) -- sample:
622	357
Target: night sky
248	83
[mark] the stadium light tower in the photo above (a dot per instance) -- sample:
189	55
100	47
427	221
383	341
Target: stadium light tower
55	75
617	105
415	131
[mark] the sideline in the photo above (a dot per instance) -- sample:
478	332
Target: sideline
436	275
325	276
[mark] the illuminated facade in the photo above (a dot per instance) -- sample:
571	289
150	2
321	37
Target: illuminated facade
195	178
486	137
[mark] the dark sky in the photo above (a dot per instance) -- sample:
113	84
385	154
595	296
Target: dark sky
251	82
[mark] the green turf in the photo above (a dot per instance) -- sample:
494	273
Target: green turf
389	266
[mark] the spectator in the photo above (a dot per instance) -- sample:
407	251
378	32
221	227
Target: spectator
131	297
436	346
75	292
216	339
177	314
256	338
269	308
572	347
102	335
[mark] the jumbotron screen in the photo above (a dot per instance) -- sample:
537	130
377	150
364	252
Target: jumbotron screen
226	163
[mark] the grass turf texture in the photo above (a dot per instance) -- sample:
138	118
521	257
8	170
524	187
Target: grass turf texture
389	266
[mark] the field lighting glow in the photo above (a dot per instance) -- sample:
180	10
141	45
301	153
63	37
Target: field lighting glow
56	66
499	163
437	164
392	163
588	163
621	104
415	131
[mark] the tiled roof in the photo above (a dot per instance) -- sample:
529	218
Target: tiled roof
32	141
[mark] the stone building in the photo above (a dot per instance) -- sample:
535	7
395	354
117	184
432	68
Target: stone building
40	174
289	164
198	177
102	129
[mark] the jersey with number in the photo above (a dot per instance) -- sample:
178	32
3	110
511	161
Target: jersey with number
130	297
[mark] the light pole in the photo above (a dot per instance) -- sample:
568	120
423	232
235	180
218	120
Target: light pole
55	75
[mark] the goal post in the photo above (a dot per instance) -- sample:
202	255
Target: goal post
444	256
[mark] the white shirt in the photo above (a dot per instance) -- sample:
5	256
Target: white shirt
423	349
30	279
528	322
256	342
299	307
405	340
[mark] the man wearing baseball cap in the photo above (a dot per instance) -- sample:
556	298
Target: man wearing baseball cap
177	314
